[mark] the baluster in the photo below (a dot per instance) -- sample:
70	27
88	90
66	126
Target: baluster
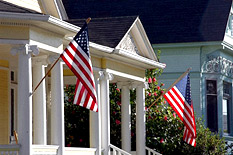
114	152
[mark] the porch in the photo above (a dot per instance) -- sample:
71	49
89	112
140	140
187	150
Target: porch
53	149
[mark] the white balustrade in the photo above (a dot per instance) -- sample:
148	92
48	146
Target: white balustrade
117	151
9	149
150	151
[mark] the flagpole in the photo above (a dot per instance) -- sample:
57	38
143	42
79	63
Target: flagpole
174	83
87	21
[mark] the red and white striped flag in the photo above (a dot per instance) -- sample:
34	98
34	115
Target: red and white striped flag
179	97
77	58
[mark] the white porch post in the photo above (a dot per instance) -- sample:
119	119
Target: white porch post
125	116
57	108
140	119
105	112
24	98
39	102
95	122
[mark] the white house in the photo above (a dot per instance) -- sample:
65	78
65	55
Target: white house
33	34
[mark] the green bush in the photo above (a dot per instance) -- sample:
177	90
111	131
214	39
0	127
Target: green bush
164	129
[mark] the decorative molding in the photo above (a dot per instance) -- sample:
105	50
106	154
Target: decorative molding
25	49
129	44
106	75
14	24
218	64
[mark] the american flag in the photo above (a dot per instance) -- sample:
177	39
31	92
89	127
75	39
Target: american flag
179	97
77	58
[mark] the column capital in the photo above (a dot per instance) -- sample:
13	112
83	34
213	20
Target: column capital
40	60
106	75
139	84
25	49
52	58
98	74
124	84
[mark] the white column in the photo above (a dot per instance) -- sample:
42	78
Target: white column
57	108
24	98
105	112
125	116
39	102
95	122
140	119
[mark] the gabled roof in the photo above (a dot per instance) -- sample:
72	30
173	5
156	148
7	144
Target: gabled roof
115	32
165	21
106	31
9	7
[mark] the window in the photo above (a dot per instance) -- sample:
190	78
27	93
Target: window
212	107
226	107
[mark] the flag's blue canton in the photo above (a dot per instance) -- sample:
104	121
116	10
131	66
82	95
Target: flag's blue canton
181	86
82	40
188	91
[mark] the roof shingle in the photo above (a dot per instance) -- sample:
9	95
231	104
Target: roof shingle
107	31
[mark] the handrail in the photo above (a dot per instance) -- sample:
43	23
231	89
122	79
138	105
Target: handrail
120	151
152	151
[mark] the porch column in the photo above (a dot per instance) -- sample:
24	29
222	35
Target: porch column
105	112
95	122
24	98
125	116
39	101
140	119
57	108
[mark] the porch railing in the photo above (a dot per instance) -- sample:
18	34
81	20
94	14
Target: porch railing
151	152
44	149
11	149
81	151
117	151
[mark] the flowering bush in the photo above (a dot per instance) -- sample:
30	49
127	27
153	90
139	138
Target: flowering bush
164	129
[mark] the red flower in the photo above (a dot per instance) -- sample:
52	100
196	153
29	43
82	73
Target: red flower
114	113
149	94
149	117
158	87
154	79
118	103
162	92
118	122
149	80
165	117
155	94
162	84
146	108
161	140
118	89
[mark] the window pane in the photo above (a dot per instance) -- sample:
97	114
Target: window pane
212	119
226	126
211	87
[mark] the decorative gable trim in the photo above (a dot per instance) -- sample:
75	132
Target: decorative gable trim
129	44
135	36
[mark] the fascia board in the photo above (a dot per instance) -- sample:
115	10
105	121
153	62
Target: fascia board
146	40
40	18
139	58
191	44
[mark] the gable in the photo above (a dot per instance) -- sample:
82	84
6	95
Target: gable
136	42
228	38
